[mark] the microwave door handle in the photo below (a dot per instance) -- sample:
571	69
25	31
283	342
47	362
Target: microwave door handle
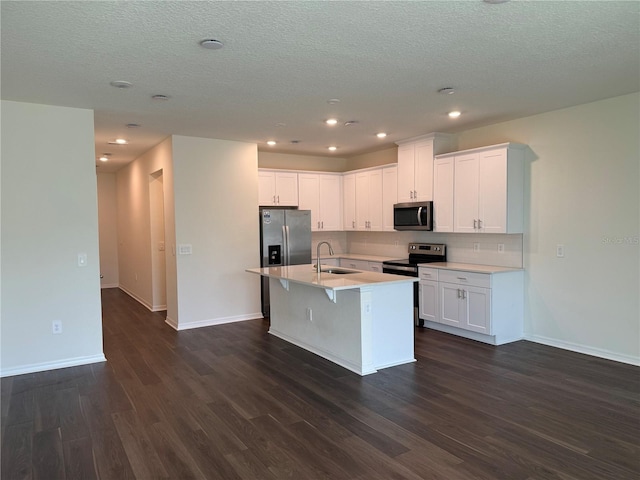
419	215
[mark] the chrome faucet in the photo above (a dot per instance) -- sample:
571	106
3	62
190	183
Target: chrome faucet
318	255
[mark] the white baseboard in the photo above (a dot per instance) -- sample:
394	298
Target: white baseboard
211	322
110	285
574	347
158	308
41	367
136	298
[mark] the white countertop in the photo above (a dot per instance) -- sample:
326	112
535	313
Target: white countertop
306	275
469	267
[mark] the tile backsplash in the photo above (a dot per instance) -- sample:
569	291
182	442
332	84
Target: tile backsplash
459	245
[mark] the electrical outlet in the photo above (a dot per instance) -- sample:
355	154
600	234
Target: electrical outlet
501	248
56	327
559	251
395	244
476	247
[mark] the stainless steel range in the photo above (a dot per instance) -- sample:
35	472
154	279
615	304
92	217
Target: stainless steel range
418	253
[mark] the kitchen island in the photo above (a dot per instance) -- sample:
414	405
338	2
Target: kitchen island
362	321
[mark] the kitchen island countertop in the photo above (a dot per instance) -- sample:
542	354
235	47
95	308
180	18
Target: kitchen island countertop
306	275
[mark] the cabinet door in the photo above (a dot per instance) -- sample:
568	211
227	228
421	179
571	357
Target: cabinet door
362	201
423	171
309	197
443	194
375	200
406	173
355	264
349	203
465	202
450	304
330	202
389	196
287	189
375	267
428	301
266	189
492	191
477	306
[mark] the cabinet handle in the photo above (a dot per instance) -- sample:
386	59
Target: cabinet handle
278	199
274	199
318	225
479	224
353	224
475	224
464	294
415	194
459	294
462	278
322	225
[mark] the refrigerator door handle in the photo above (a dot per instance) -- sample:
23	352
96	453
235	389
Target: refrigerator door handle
287	259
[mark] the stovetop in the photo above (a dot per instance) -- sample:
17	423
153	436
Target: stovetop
422	253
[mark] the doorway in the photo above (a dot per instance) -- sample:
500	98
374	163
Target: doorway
158	260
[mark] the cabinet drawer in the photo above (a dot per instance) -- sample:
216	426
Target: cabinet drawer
428	273
465	278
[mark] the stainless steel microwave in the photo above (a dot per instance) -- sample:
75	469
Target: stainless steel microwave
413	216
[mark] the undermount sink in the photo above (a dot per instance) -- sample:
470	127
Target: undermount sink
337	271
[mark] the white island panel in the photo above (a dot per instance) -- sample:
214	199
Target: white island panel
362	321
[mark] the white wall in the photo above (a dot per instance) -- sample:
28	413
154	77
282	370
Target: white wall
216	212
134	227
582	193
288	161
108	229
49	216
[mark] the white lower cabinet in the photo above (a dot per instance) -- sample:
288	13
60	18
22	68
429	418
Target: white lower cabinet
361	265
487	307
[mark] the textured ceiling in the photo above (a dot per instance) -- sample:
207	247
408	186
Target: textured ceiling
283	60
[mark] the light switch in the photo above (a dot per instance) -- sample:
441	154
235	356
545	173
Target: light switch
82	259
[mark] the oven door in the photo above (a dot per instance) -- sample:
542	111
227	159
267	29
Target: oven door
407	271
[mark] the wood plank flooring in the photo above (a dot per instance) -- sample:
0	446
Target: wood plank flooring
233	402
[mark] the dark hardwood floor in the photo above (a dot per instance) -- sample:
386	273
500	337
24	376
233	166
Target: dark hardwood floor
233	402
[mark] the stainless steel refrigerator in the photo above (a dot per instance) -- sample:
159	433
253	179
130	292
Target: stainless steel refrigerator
285	239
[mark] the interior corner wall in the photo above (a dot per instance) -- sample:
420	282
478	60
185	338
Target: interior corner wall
582	192
134	227
216	214
49	218
108	229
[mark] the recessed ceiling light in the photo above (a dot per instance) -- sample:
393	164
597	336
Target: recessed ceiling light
331	121
332	148
211	44
454	114
295	141
121	84
271	143
121	141
333	101
447	91
381	135
133	125
160	97
104	159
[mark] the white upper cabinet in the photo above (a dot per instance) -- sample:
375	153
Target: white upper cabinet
349	202
321	193
277	188
488	190
369	200
415	165
389	196
443	194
